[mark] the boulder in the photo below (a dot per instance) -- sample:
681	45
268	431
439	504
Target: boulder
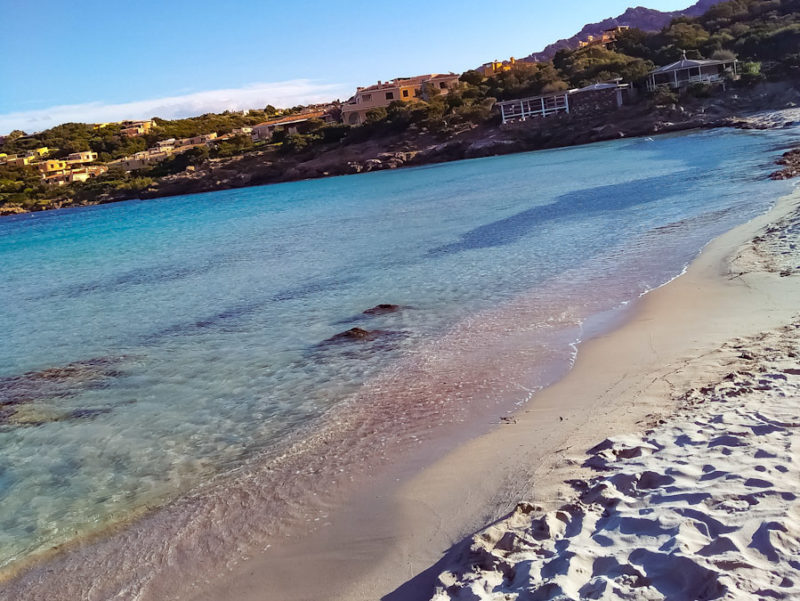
382	309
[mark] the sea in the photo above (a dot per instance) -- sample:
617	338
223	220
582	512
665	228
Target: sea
172	382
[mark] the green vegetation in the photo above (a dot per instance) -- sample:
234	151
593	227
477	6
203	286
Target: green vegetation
763	34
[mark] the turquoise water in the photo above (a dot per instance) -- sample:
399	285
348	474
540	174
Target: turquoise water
149	346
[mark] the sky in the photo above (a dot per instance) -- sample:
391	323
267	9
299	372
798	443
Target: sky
108	60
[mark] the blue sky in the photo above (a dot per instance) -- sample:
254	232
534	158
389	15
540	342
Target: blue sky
93	60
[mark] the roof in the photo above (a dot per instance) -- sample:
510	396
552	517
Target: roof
292	119
599	86
686	63
398	82
591	88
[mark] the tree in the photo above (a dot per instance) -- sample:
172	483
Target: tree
471	77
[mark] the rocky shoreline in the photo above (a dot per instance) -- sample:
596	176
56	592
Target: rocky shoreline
764	107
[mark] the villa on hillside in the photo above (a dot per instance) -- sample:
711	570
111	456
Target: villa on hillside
290	123
70	176
196	140
86	156
405	89
495	67
61	172
609	36
594	99
133	129
686	72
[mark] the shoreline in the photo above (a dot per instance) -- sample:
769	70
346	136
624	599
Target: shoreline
622	382
483	141
387	483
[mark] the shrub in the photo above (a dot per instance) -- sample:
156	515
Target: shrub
664	95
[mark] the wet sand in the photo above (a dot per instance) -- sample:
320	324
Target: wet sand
386	541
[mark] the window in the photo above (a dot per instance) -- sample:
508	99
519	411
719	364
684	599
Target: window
389	95
442	85
405	93
366	97
417	92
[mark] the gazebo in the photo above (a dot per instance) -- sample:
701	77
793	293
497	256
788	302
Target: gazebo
686	72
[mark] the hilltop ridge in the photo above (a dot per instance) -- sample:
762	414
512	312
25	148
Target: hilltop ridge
646	19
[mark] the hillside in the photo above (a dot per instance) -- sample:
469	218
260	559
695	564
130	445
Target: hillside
646	19
763	34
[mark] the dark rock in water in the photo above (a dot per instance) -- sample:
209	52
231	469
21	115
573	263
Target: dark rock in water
359	341
791	162
382	309
353	334
58	382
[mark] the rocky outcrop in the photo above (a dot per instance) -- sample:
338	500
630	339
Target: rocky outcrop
791	162
385	160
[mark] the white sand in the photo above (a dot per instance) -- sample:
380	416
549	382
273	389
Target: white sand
705	505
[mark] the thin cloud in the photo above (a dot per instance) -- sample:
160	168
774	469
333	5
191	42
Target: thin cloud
257	95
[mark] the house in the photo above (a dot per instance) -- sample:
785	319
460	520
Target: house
686	72
494	67
290	123
143	159
609	36
52	166
196	140
136	128
81	174
165	145
86	156
595	99
381	95
38	152
18	161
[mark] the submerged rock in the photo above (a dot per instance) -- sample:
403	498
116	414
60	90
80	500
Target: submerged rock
353	334
382	309
58	382
359	340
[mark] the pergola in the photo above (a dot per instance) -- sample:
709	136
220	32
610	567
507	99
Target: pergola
686	72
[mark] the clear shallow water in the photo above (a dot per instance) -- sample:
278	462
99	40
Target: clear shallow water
149	346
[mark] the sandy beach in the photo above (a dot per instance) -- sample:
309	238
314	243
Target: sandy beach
688	411
631	428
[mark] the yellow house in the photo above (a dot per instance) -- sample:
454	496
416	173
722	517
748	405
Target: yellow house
404	89
52	166
18	161
37	152
86	156
489	69
136	128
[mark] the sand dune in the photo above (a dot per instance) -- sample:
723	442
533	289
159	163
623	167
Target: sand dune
703	505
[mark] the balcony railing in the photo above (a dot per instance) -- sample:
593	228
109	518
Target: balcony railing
533	108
